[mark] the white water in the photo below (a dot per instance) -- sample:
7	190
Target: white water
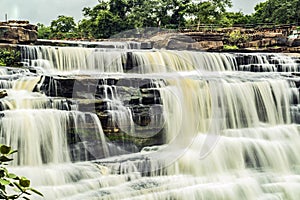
229	135
107	60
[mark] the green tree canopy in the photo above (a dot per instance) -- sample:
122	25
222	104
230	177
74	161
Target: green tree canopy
277	11
63	24
114	16
234	18
63	27
44	31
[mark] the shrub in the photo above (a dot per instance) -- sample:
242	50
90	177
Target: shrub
236	37
9	57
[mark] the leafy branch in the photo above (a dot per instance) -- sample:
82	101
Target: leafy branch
21	185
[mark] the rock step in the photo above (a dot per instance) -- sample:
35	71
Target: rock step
129	109
270	67
18	32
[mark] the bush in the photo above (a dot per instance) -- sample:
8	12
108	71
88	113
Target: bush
9	57
236	37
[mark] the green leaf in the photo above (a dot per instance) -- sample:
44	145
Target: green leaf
25	192
24	182
2	187
13	196
5	149
2	173
12	176
4	169
19	187
12	152
35	191
5	159
4	182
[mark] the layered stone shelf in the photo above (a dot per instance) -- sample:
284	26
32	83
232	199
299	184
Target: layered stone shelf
17	32
113	99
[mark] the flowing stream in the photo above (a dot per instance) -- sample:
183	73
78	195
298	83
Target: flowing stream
121	123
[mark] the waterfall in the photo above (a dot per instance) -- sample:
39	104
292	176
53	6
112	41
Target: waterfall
107	60
94	122
49	128
73	58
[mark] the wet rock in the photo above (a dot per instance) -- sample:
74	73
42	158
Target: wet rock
146	45
117	102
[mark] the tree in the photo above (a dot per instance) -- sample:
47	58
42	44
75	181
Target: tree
63	24
229	19
100	21
114	16
63	27
44	32
143	14
276	11
210	12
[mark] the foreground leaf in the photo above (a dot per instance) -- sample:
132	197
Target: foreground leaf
12	152
5	159
4	182
24	182
35	191
5	149
18	186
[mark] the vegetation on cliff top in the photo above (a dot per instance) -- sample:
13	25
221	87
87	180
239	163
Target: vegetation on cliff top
114	16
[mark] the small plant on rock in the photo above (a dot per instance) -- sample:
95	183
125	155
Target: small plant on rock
235	37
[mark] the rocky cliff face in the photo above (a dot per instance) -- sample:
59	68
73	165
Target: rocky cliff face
18	32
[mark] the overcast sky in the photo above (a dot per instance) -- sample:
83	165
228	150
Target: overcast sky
45	11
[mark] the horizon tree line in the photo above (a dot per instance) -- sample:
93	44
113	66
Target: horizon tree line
110	17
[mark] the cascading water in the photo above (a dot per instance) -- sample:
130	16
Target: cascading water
154	124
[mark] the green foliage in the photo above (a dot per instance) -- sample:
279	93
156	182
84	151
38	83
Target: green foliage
21	185
230	47
101	25
9	57
278	12
63	27
44	32
110	17
230	19
63	24
236	37
209	12
114	16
